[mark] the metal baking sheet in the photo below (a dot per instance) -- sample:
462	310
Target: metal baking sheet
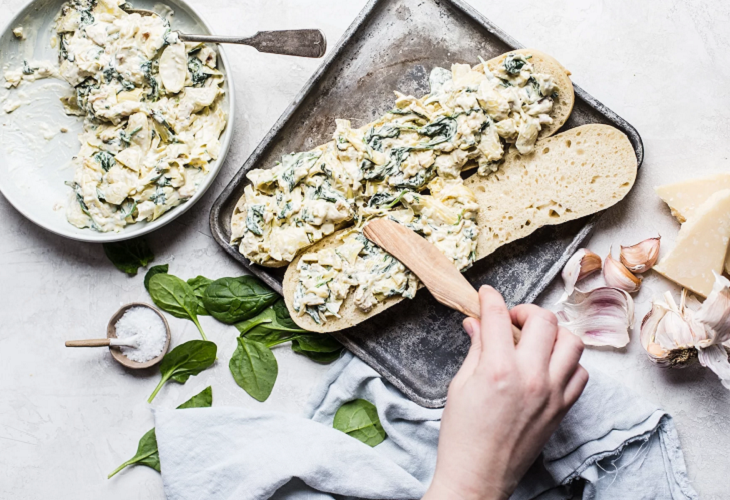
418	345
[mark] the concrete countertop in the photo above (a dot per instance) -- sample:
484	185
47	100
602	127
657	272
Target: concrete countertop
67	418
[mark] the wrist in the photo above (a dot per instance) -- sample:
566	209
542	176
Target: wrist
454	490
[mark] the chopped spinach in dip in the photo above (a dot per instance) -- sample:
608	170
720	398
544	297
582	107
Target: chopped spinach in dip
151	106
407	166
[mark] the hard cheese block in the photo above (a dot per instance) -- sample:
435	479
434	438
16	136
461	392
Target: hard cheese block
685	197
701	246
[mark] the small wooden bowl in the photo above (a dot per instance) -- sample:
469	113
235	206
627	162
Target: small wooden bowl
111	332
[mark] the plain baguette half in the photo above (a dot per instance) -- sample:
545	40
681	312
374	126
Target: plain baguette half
573	174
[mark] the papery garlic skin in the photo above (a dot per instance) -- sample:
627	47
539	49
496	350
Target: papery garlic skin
641	257
618	276
600	317
714	314
580	265
716	359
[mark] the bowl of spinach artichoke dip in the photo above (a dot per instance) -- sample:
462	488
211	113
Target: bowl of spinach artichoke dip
155	115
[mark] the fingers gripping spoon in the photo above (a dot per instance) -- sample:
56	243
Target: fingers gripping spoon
301	43
433	268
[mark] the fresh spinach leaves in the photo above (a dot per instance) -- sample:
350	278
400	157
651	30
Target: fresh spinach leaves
254	368
359	419
185	360
199	284
271	321
231	300
253	365
173	295
147	452
129	255
274	326
161	269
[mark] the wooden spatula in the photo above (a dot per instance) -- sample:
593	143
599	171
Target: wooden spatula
433	268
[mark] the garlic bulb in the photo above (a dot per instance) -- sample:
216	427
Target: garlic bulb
580	265
600	317
674	335
641	257
618	276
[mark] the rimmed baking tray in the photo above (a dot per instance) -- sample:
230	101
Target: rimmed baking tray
418	345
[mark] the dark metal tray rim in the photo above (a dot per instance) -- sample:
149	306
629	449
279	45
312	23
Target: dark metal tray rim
310	86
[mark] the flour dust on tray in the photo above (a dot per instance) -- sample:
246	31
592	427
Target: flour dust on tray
151	106
149	330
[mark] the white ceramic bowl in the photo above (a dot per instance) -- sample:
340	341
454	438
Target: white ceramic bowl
35	156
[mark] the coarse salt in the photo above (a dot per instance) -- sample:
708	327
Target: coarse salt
149	329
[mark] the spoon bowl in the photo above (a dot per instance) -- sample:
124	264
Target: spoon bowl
118	355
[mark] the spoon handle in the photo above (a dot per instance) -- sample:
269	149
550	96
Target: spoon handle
302	43
88	343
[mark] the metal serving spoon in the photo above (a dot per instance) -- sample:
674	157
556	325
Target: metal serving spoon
301	43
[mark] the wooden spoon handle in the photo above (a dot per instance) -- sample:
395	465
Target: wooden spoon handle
466	300
88	343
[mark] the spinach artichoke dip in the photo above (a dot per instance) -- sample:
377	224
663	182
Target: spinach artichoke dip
406	166
151	106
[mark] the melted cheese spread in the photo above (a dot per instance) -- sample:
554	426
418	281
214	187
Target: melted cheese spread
151	106
406	166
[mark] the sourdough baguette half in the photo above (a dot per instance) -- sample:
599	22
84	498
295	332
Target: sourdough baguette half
562	107
573	174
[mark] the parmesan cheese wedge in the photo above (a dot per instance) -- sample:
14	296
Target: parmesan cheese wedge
684	197
701	246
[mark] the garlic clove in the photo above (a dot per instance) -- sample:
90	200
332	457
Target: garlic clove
580	265
600	317
641	257
649	326
618	276
673	332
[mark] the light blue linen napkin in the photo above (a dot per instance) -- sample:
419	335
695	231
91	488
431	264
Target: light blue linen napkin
611	444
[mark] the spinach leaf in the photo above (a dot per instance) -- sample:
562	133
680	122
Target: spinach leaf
185	360
204	399
513	65
199	284
105	159
359	419
147	453
129	255
197	73
161	269
231	300
254	368
173	295
318	347
374	138
255	219
272	319
443	126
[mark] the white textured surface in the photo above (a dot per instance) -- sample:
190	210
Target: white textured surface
69	417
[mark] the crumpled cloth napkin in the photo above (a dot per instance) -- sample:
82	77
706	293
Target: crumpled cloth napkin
611	444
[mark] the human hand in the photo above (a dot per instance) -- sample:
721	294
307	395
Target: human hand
505	401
